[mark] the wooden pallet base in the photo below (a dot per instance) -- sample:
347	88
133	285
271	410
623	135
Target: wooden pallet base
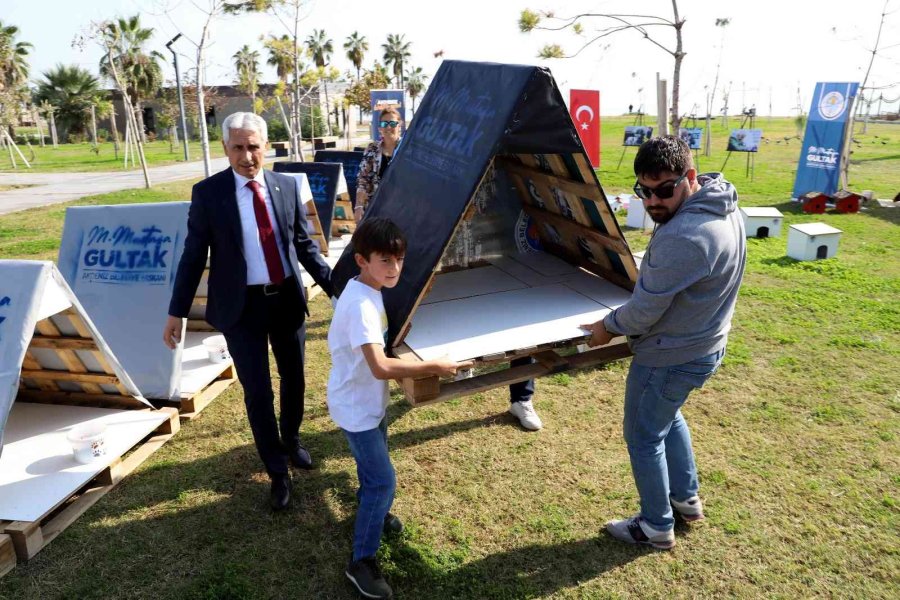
7	555
30	537
430	390
192	405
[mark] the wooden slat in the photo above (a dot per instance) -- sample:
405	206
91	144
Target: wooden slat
79	399
69	358
613	244
63	343
488	381
82	329
80	378
7	554
609	221
31	363
580	189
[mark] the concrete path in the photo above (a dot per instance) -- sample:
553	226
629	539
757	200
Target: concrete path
53	188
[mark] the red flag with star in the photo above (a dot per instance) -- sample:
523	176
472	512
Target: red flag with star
584	107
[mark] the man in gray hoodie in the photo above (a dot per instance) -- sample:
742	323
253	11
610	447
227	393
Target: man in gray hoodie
677	324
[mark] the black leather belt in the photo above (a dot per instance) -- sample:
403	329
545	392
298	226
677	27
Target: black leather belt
270	289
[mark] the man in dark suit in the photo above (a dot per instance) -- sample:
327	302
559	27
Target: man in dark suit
252	225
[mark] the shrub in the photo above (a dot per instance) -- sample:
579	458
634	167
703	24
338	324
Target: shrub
277	131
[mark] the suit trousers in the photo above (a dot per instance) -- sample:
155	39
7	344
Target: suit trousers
279	319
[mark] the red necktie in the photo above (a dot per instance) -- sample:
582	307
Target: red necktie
266	234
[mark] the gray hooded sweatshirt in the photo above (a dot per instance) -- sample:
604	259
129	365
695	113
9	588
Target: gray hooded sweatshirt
688	284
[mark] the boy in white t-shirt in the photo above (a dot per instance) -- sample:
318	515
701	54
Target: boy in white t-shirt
358	390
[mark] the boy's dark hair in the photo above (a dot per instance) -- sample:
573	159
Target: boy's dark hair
664	154
379	235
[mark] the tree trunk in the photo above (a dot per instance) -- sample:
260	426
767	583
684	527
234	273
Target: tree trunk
54	136
676	76
327	107
201	103
139	114
37	121
94	126
114	127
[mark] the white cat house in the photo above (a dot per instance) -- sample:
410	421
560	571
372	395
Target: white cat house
812	241
762	221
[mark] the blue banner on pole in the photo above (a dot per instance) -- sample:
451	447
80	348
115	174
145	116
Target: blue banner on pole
381	99
820	158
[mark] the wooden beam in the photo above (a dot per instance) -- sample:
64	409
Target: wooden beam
80	378
604	240
63	343
73	363
580	189
79	399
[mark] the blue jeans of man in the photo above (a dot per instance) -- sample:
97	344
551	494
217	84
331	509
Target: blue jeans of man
658	438
377	484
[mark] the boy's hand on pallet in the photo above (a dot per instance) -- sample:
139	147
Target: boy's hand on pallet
444	367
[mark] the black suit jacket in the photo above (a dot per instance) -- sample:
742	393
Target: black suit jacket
214	229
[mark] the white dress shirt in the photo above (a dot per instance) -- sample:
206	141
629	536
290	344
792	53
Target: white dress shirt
257	271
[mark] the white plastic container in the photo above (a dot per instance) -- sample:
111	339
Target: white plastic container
216	348
87	442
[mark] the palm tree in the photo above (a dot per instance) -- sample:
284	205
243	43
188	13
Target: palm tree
140	69
71	90
246	62
396	52
320	50
356	47
13	58
415	84
281	56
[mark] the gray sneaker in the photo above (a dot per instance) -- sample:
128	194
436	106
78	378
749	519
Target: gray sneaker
366	577
690	510
636	531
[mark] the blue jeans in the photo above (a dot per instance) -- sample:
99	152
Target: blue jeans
377	483
658	438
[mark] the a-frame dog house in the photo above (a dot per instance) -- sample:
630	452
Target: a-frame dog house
512	244
329	190
57	372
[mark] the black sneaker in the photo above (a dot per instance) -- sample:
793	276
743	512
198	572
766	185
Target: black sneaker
392	523
367	578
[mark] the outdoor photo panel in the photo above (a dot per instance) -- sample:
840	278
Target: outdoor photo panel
350	160
693	136
492	166
323	182
744	140
635	135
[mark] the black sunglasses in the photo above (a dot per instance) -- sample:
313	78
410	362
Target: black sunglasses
390	124
663	191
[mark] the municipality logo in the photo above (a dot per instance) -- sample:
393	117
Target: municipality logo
831	106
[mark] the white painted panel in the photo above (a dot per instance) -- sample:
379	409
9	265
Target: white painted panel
305	191
599	290
471	282
197	371
545	264
505	321
38	469
55	299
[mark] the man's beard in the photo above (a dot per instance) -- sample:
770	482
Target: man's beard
660	215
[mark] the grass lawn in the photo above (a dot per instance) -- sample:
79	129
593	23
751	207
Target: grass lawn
81	157
797	440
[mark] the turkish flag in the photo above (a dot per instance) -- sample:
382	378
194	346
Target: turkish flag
584	107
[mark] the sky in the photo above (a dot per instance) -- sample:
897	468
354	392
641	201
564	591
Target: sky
771	54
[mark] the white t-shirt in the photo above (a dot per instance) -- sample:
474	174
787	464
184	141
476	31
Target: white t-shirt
356	399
